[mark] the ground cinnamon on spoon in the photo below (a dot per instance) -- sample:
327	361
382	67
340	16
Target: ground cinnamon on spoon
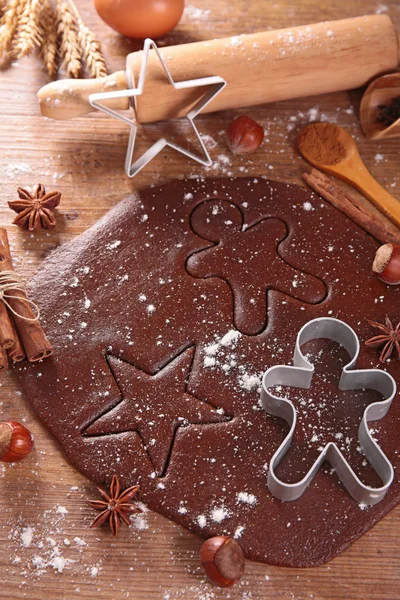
321	143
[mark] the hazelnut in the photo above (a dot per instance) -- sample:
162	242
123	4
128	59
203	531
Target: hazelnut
244	135
16	441
387	264
222	560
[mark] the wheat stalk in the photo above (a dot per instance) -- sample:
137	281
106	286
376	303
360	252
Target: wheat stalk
9	24
48	30
28	32
69	40
94	60
25	24
90	47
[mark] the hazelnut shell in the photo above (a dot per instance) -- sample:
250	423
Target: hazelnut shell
386	264
16	441
244	135
222	560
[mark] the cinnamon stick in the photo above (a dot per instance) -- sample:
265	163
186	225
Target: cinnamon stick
6	331
16	352
350	206
30	333
3	359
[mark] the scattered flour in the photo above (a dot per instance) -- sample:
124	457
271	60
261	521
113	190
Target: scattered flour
230	337
79	541
196	14
238	532
235	41
219	354
250	382
113	245
246	498
201	521
208	141
227	340
209	361
14	170
94	571
139	520
313	114
381	8
27	536
58	563
219	514
211	349
61	510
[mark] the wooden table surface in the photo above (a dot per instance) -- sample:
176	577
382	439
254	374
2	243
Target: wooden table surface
47	550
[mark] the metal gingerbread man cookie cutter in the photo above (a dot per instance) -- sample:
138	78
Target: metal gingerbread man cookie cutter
300	376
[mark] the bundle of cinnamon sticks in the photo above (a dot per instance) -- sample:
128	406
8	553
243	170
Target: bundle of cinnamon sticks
350	205
21	335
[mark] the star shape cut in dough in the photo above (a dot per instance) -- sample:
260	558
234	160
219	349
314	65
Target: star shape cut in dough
214	84
154	406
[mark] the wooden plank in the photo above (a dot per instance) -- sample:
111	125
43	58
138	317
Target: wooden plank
84	159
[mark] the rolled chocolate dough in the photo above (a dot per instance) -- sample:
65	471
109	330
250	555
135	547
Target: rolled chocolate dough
164	316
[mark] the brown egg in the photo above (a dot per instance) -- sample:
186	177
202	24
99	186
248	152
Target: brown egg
140	18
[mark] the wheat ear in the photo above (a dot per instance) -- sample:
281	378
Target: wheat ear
28	32
9	24
94	60
48	30
69	41
92	55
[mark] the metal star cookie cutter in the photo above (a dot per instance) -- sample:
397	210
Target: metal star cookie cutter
300	376
217	85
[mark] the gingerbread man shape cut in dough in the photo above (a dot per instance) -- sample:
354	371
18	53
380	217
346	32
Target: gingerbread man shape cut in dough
249	261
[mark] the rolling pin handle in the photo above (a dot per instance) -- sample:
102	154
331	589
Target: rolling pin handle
66	99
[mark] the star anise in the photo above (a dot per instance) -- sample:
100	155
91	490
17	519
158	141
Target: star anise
35	209
115	506
389	338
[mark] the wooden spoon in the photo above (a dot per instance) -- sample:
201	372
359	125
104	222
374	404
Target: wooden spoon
331	149
380	92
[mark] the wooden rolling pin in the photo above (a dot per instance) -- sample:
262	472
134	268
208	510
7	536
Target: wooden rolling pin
258	67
